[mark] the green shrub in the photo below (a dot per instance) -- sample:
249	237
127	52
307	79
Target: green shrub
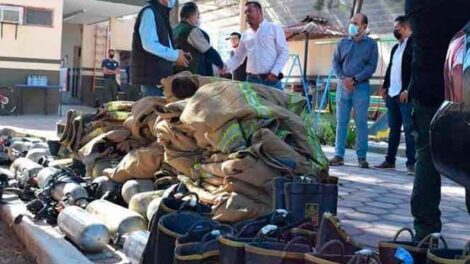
325	129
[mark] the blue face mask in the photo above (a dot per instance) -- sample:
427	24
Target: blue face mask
171	3
353	30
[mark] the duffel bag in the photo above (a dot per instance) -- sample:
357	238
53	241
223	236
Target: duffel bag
308	199
232	248
280	218
449	256
267	252
170	227
206	251
201	229
361	257
330	229
388	249
169	205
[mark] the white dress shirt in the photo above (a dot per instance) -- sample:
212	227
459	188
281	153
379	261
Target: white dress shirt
395	75
265	48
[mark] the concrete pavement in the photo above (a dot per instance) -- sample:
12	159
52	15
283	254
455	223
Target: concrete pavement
40	125
374	204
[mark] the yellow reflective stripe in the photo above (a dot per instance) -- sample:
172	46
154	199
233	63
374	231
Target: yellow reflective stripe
231	135
252	99
119	115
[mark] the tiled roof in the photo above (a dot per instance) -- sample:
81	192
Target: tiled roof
316	27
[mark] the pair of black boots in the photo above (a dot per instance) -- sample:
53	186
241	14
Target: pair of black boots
305	197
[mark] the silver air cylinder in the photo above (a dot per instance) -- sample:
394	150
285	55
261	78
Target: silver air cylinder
117	219
45	175
140	202
133	187
25	169
134	245
36	153
73	189
105	185
85	230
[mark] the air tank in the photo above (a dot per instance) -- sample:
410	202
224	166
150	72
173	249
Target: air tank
118	220
85	230
133	187
134	245
140	202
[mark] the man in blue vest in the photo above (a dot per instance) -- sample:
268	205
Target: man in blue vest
153	55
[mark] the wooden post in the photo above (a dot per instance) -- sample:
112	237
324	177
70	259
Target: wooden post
175	14
243	24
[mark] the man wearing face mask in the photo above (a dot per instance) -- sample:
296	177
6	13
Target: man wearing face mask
190	38
153	56
110	71
354	63
395	94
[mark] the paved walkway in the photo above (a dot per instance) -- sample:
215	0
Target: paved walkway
39	125
373	204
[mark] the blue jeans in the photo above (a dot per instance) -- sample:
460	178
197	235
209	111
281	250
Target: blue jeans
359	100
400	114
148	90
276	84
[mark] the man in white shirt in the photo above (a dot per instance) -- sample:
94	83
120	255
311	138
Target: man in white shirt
395	94
265	46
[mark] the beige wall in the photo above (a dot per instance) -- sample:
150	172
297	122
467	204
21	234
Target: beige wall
320	55
120	38
71	37
33	42
121	33
88	45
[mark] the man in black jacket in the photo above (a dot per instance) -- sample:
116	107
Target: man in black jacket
190	38
153	53
395	94
434	23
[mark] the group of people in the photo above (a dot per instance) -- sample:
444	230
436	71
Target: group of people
158	50
413	90
354	63
413	87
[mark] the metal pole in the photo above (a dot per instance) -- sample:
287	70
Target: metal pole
356	7
305	56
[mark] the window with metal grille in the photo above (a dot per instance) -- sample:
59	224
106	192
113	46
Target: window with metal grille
38	16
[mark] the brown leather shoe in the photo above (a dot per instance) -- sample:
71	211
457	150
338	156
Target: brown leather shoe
363	164
385	165
336	161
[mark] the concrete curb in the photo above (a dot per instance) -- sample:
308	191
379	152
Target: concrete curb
18	132
45	243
